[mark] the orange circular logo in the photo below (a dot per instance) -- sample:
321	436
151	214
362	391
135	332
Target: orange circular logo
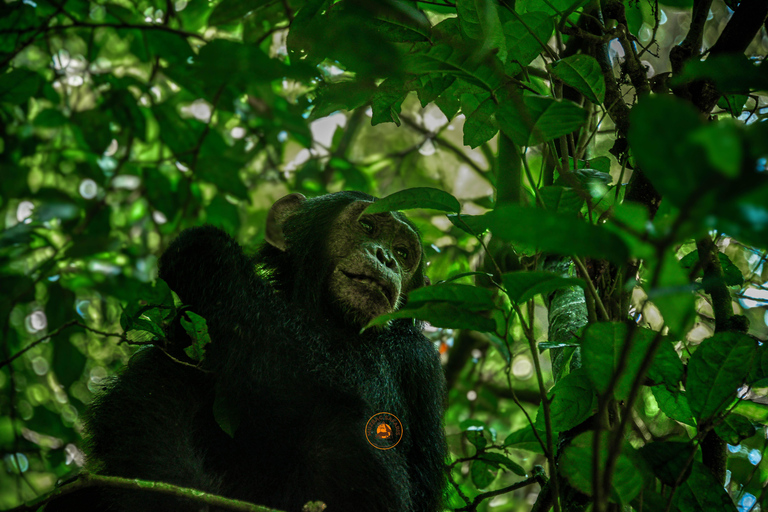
384	431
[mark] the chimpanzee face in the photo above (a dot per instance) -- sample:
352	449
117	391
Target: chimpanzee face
374	259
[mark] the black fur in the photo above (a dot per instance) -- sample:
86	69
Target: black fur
300	382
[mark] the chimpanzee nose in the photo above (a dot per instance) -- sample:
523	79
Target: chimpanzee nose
385	258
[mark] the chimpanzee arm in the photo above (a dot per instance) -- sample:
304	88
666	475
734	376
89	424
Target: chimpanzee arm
207	268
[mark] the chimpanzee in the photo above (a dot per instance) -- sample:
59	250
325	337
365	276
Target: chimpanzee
289	372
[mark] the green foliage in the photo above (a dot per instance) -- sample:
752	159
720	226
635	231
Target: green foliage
197	329
572	211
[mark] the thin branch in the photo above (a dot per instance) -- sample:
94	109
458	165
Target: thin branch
537	477
91	481
591	287
55	332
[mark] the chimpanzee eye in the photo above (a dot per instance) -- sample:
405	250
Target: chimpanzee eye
403	253
367	225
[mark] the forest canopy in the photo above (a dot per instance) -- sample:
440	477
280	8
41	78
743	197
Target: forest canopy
589	178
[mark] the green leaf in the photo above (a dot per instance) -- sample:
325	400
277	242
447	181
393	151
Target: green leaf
472	298
754	411
702	492
674	404
387	101
746	216
537	119
524	38
524	439
174	48
547	231
440	314
572	402
733	103
237	65
197	329
658	136
480	124
667	367
343	96
222	172
181	135
419	197
50	118
759	371
669	460
224	214
734	429
468	19
561	199
482	473
336	34
731	73
232	11
497	460
479	20
673	294
397	21
476	437
716	370
731	274
430	87
601	347
18	86
582	72
479	70
630	474
523	286
721	142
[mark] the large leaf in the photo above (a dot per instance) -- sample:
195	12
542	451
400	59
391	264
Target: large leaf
582	72
18	86
420	197
523	286
572	402
547	231
669	460
734	429
673	294
674	404
629	477
440	314
716	370
659	128
601	348
537	119
561	199
524	39
702	492
480	125
731	73
481	71
473	298
479	19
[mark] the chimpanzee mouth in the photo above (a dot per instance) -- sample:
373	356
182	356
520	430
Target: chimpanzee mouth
380	284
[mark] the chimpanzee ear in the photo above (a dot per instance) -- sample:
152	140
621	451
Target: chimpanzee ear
280	211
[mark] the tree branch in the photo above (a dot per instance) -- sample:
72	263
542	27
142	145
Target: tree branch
91	481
